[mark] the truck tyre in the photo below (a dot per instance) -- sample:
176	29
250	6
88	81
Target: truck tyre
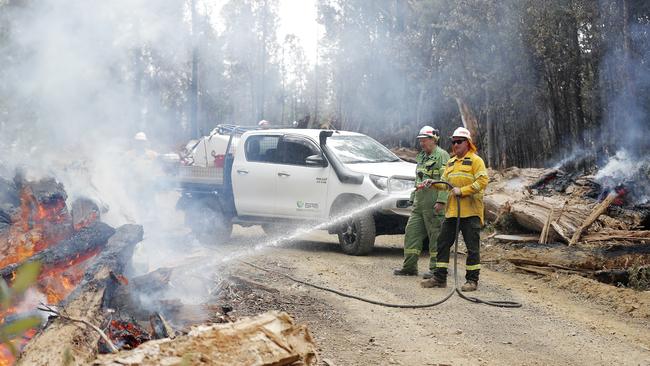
357	234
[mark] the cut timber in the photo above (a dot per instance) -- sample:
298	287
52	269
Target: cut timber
534	213
626	235
268	339
82	242
598	210
50	345
517	238
543	238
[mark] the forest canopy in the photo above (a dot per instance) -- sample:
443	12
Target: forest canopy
543	79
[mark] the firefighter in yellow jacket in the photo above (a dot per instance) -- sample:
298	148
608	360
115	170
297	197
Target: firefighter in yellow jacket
466	172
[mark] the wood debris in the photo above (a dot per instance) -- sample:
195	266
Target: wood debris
269	339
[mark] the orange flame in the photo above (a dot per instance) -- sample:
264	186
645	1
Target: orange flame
37	226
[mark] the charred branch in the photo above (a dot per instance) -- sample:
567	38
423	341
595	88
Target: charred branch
68	250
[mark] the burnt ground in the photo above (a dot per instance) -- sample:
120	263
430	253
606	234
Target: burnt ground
565	319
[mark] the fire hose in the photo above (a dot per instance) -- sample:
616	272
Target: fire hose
454	289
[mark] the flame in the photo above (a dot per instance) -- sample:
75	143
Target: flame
37	226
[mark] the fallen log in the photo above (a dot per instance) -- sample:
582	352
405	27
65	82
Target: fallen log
82	242
626	235
529	262
268	339
579	259
60	339
597	211
496	205
533	214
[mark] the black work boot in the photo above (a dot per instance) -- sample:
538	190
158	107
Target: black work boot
403	272
427	275
434	282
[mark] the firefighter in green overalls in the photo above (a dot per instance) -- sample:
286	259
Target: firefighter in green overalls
428	204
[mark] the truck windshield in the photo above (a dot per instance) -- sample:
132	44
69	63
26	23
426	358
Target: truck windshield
360	149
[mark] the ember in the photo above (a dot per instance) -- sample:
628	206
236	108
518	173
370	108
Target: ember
124	335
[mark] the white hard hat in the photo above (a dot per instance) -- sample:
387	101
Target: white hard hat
428	132
462	132
263	123
140	136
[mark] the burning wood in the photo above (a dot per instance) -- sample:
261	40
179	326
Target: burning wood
124	334
34	215
68	252
86	302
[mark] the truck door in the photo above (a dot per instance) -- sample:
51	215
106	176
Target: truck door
254	176
302	188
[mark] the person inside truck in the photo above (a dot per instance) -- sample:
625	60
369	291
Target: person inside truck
264	124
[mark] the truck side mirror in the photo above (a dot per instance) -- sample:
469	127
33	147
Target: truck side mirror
316	160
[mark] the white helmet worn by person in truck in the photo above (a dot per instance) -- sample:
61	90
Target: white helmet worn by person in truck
462	132
140	136
264	124
428	132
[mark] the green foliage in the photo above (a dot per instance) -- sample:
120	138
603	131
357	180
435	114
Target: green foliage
26	276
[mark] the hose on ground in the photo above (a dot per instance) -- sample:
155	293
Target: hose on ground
455	288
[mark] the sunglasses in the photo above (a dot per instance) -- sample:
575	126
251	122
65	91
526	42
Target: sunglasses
454	142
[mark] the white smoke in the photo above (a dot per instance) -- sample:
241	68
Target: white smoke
620	167
70	104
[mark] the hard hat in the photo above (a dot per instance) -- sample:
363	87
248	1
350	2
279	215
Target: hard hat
428	132
462	132
263	123
140	136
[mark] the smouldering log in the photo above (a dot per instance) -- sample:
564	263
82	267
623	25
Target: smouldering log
82	242
59	337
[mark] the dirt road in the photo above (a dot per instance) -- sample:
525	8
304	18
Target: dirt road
554	327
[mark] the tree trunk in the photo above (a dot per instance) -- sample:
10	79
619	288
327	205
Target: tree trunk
491	140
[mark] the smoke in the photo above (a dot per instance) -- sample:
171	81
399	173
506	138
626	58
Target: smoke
626	81
78	79
625	169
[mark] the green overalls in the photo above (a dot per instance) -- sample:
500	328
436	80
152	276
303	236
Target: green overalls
424	222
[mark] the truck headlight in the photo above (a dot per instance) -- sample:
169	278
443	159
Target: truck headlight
379	181
401	185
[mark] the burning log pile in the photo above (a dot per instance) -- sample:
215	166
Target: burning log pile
93	308
79	256
602	223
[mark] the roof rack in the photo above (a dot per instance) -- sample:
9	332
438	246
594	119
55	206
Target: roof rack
228	129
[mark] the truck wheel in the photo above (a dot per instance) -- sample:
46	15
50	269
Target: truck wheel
357	234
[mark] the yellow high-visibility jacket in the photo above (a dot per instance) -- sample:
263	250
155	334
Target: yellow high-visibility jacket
469	174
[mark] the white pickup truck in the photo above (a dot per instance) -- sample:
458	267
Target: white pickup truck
278	178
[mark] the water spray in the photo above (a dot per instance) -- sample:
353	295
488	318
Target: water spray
455	289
